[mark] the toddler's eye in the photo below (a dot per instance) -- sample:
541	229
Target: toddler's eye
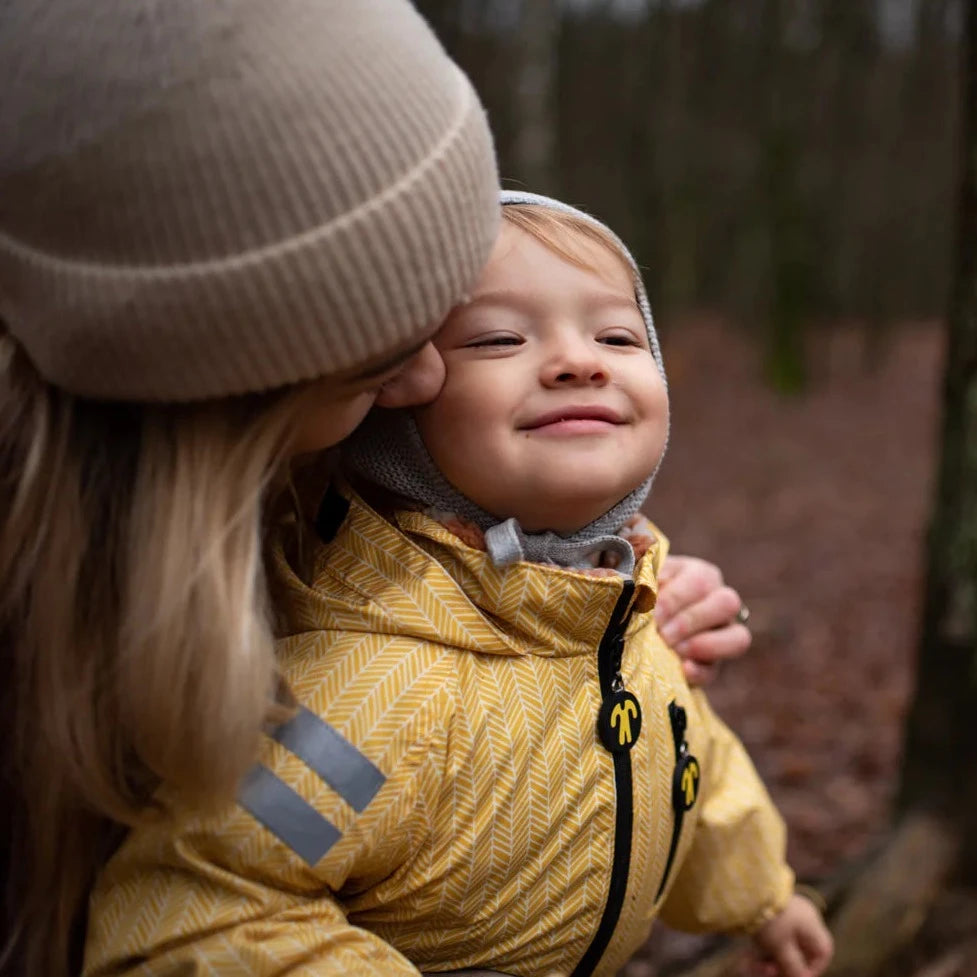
486	341
620	339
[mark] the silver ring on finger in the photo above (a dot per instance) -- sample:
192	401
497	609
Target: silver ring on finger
742	615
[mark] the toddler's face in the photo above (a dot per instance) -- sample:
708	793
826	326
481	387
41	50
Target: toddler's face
553	408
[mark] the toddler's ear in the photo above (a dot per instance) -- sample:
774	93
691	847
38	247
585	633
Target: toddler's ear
419	382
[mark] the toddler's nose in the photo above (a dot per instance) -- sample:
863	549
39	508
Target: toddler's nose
576	363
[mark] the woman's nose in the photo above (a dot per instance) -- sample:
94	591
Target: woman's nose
419	382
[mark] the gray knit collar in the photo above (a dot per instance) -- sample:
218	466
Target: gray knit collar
388	450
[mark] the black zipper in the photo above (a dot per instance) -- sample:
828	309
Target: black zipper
610	651
685	785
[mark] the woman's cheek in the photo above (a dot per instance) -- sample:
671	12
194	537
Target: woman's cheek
325	425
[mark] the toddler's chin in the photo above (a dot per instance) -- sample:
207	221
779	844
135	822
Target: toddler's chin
566	520
554	505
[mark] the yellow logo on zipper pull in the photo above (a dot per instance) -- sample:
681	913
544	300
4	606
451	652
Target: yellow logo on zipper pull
619	721
689	781
621	716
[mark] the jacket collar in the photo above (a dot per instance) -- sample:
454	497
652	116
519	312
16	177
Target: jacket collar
424	582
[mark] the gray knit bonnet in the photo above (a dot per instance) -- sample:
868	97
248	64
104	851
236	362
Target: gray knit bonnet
388	450
201	198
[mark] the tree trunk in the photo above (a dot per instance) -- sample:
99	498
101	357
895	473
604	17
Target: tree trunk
534	96
784	211
893	903
941	733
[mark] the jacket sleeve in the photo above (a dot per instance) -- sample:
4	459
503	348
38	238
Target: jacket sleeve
265	886
735	876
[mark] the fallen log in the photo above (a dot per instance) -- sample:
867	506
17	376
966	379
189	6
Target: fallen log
886	906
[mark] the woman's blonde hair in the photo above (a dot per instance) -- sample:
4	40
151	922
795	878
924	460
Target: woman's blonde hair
135	634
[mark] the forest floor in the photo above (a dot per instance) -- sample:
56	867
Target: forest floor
815	506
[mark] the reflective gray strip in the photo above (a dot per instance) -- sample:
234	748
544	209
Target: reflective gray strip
350	774
287	815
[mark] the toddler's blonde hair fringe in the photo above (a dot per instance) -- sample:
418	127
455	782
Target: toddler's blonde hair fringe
564	233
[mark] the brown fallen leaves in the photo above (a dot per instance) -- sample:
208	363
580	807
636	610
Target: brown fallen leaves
815	508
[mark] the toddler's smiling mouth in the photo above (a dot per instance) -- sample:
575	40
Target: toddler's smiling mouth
578	419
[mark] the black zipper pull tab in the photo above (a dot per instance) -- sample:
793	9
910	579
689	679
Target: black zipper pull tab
685	784
685	779
619	717
679	721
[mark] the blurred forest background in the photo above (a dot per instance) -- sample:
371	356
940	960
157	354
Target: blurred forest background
787	162
786	172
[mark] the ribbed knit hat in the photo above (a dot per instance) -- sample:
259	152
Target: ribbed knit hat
209	197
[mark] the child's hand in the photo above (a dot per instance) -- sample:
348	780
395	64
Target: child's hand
795	943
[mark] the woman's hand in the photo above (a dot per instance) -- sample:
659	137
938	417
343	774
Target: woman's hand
697	615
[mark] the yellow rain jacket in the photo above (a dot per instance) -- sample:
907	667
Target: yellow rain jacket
443	798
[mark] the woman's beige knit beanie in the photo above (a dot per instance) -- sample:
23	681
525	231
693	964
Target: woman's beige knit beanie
209	197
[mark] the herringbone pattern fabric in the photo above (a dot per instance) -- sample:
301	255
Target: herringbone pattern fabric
474	692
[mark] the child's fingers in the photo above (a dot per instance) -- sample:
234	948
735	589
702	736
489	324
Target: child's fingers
790	960
757	965
818	947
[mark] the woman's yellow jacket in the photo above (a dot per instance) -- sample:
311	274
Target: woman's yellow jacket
442	799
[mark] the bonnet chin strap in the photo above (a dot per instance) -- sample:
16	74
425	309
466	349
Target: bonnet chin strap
507	543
